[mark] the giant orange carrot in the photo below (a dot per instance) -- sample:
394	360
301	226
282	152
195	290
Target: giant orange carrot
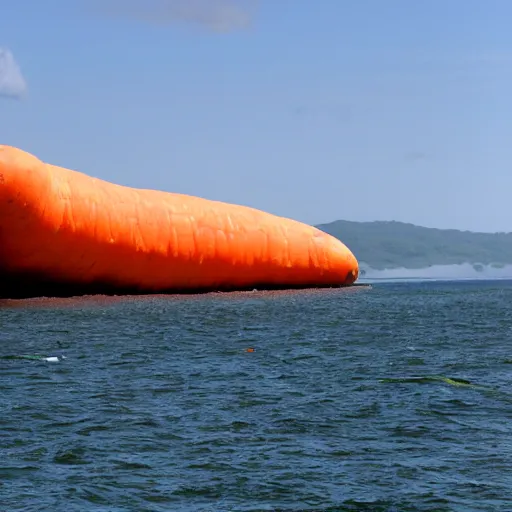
63	229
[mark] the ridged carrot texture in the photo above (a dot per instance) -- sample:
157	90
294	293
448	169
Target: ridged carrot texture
62	228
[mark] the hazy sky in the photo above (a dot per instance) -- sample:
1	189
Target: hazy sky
312	109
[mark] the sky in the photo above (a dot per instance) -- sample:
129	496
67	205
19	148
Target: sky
315	110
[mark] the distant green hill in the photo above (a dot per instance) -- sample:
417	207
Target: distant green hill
392	244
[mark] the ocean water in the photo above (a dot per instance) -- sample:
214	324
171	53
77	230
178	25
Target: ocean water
394	398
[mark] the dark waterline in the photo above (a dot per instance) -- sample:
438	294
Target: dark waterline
391	398
29	285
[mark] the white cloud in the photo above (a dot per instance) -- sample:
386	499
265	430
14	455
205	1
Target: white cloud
12	83
216	15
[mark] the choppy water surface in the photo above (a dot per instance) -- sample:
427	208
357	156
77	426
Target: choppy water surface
395	398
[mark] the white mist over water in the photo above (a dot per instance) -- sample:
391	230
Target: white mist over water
464	271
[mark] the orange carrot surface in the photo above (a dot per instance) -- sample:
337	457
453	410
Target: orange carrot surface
61	229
